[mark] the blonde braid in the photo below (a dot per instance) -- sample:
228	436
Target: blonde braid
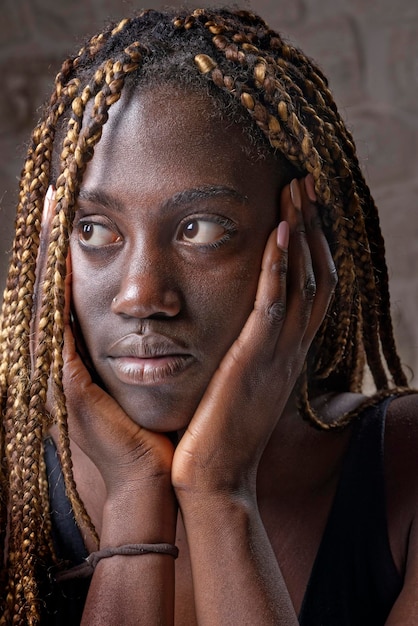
288	99
23	436
372	221
26	421
290	82
25	433
78	150
286	133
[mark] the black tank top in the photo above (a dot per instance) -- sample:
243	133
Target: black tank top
64	602
354	580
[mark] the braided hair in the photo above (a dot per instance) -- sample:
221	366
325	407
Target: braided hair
283	101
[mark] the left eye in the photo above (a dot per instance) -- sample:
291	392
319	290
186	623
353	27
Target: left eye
201	231
96	235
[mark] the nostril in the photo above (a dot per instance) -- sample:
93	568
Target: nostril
146	300
159	315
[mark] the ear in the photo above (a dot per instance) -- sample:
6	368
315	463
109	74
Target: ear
41	261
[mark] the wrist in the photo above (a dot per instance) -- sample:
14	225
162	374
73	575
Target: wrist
143	515
217	489
85	569
217	508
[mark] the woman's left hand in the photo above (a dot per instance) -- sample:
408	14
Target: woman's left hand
222	446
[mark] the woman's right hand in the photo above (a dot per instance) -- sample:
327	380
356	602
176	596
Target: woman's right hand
134	463
122	450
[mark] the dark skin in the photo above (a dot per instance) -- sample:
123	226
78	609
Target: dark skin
159	277
222	376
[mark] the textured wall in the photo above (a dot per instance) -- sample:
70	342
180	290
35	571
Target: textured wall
368	49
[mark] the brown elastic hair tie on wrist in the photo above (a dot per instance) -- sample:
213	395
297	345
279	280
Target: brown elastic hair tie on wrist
86	569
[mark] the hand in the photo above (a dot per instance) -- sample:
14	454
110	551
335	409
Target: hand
221	449
123	452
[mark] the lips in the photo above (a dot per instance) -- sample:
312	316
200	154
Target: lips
148	359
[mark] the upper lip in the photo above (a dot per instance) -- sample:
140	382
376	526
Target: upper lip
146	347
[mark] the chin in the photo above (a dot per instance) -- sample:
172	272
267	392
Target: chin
162	420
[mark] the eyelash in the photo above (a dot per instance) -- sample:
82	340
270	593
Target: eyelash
84	222
228	225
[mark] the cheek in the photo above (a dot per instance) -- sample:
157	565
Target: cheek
217	299
222	300
91	294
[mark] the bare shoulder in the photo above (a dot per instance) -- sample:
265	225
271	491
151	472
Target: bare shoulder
401	440
401	478
401	473
401	443
405	408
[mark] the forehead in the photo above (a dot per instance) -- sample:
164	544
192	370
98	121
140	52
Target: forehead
170	140
154	118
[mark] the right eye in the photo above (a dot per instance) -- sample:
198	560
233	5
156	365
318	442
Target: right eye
97	235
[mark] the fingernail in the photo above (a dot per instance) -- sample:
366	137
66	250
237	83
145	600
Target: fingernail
310	187
50	193
283	235
295	194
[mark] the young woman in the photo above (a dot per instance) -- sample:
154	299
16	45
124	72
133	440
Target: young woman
197	292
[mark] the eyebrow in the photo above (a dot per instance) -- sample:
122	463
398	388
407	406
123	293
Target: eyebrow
204	192
186	196
97	196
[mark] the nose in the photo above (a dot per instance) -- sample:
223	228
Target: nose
147	291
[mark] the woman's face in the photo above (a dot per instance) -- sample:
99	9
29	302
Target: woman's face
173	216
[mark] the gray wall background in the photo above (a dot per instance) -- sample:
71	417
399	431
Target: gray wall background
368	49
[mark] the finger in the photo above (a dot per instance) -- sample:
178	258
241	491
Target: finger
41	262
86	400
322	261
301	284
258	336
46	224
286	287
71	319
68	278
270	299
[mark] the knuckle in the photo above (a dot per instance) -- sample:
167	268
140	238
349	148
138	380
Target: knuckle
280	267
313	221
309	288
276	312
333	278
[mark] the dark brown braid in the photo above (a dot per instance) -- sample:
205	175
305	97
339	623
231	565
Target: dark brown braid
283	103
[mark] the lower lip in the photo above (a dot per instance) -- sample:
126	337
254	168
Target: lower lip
150	371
